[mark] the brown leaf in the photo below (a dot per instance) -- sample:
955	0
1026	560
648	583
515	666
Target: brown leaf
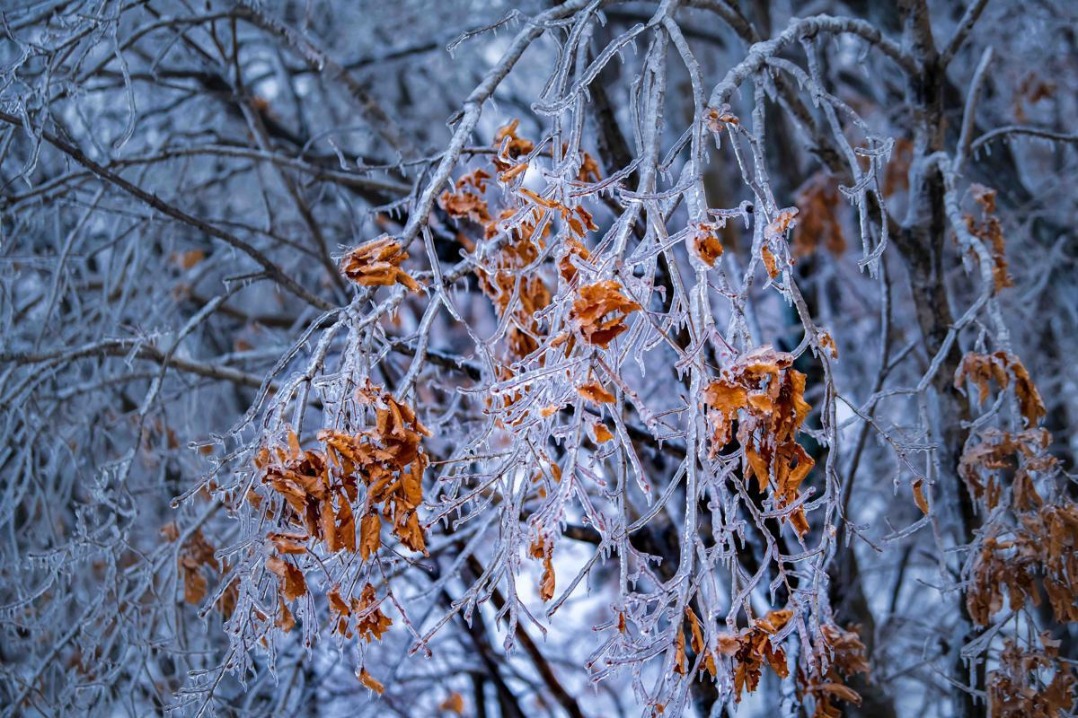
377	263
697	635
782	223
512	172
285	620
476	178
411	534
718	117
368	680
370	539
840	691
466	205
705	242
990	231
573	248
828	343
293	584
724	398
454	704
514	146
371	623
601	432
728	644
329	526
600	312
542	550
288	543
337	602
346	526
919	497
774	621
847	650
189	259
594	392
681	661
1029	399
769	262
999	367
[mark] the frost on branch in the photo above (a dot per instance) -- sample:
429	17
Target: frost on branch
709	360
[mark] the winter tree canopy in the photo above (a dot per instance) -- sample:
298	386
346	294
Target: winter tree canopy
544	358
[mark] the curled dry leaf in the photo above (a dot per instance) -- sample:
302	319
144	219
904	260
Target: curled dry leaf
370	539
543	550
509	143
293	585
594	392
369	681
1017	690
285	620
919	497
196	555
681	661
719	117
765	395
705	241
754	649
1000	367
779	226
377	263
601	432
371	623
827	342
770	263
989	230
288	543
573	248
600	311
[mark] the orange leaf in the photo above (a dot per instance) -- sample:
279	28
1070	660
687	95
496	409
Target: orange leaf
600	312
840	691
681	661
454	704
293	584
377	263
546	583
509	174
346	526
337	602
285	620
594	392
919	497
368	680
288	543
705	242
769	262
602	434
370	539
694	628
373	623
329	526
411	534
774	621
